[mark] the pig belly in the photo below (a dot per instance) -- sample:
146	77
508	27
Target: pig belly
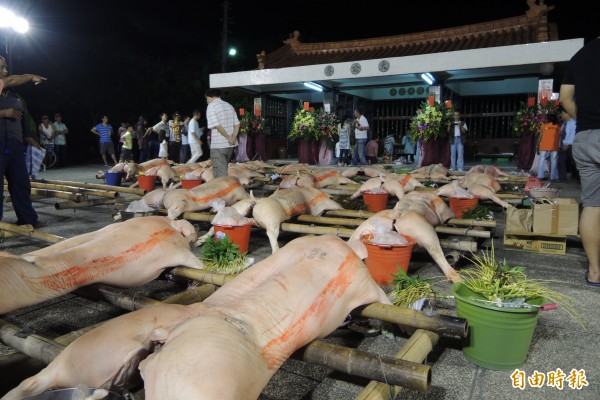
108	355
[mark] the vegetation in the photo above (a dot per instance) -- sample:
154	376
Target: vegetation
222	256
407	290
478	212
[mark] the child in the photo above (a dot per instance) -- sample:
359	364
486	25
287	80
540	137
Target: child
163	150
127	148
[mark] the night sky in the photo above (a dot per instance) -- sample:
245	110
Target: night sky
126	58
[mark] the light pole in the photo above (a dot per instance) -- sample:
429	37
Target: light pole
11	22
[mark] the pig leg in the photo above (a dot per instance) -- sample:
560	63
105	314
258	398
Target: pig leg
416	226
269	214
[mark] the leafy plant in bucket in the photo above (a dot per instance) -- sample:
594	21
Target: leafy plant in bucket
500	283
222	256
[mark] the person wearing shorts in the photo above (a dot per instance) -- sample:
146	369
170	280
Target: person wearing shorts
579	97
105	131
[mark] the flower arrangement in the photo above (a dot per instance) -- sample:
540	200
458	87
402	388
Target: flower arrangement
529	119
304	125
251	124
430	122
326	126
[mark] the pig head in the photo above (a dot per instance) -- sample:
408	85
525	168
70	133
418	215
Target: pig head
257	320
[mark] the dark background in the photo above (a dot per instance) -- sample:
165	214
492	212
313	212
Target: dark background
130	58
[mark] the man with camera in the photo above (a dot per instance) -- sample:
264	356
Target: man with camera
457	130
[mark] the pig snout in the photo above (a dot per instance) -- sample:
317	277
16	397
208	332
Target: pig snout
186	229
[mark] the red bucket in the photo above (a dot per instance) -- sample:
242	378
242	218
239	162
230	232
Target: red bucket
460	205
375	202
384	259
239	235
147	182
190	183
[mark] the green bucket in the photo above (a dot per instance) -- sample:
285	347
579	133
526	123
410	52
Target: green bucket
499	338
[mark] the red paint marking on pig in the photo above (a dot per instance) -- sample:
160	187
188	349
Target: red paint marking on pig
300	209
275	351
324	176
217	195
405	180
80	275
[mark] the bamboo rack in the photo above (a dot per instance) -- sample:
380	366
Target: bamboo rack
73	189
55	193
27	230
452	221
416	349
98	186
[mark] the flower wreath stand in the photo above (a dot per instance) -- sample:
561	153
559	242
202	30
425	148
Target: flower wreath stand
325	152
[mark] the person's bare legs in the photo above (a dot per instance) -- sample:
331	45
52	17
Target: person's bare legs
104	158
114	158
589	229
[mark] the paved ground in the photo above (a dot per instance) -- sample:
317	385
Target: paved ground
558	343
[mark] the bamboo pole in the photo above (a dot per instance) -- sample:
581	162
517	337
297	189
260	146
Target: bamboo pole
55	193
199	275
86	185
317	230
416	349
367	365
348	186
117	297
461	245
441	324
191	296
86	203
27	230
73	189
350	213
33	345
452	221
330	220
463	231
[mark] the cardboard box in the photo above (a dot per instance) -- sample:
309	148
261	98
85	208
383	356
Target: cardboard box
535	243
561	218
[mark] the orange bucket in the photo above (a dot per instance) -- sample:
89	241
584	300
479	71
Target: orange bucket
147	182
190	183
384	259
375	202
239	235
460	205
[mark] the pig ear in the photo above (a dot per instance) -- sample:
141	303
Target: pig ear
359	248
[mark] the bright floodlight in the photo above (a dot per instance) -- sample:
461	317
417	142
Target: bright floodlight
20	25
232	51
6	17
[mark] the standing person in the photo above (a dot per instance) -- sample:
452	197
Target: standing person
104	130
185	152
14	131
127	147
371	150
194	137
46	131
60	140
344	134
225	125
155	138
361	129
457	130
408	147
175	137
548	147
565	152
138	138
579	97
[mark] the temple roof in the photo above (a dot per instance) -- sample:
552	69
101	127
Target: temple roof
530	28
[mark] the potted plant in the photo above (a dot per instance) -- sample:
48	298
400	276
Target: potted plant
502	305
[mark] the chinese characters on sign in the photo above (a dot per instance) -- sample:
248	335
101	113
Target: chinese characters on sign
557	379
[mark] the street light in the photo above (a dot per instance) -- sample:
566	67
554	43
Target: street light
8	19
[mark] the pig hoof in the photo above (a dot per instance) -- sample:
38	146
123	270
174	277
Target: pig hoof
368	327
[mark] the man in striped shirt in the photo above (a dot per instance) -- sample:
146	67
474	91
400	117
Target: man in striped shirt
222	119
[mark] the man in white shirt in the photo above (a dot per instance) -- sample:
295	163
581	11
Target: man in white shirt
224	124
194	135
361	131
